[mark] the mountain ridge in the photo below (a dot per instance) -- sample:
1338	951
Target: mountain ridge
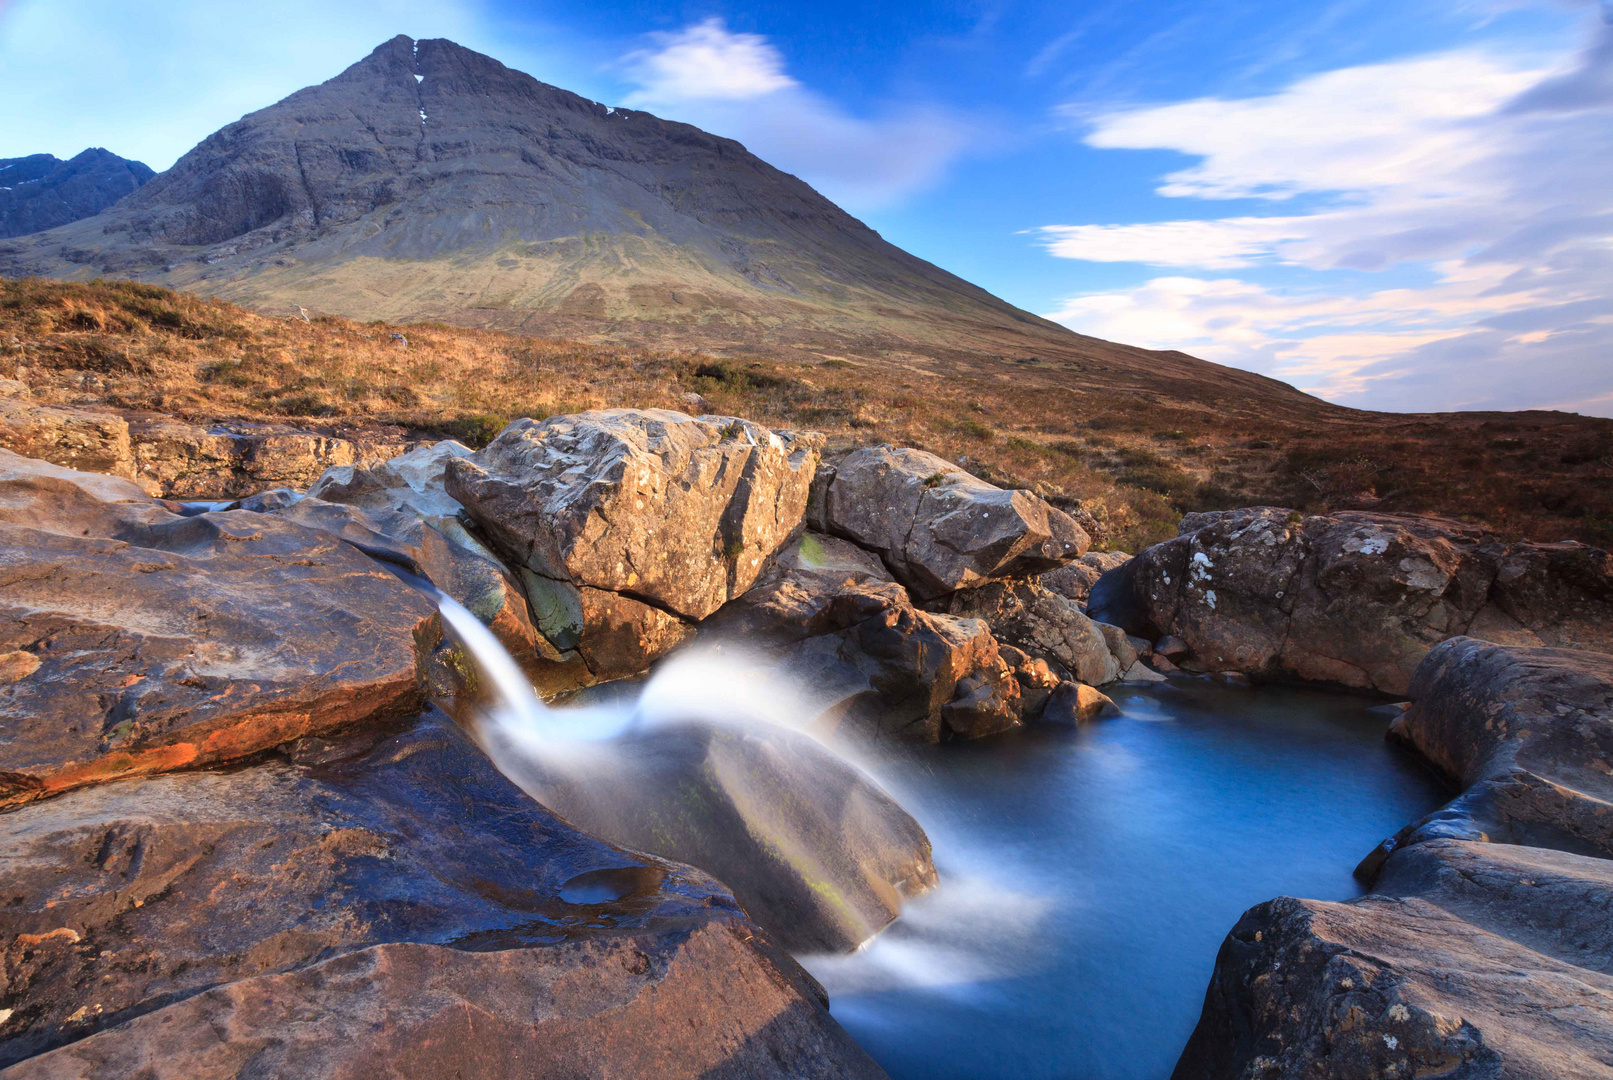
41	191
428	181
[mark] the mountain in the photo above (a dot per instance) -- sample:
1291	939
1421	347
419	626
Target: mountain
428	181
41	191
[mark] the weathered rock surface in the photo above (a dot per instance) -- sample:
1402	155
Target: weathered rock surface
1475	956
175	458
1491	960
816	852
41	191
1355	599
679	512
1075	581
375	908
1528	733
415	481
164	641
1043	624
938	528
841	628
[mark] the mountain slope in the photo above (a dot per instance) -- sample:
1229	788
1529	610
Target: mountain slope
428	181
41	191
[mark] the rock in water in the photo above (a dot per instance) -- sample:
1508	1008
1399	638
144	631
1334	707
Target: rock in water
1044	624
385	907
1475	956
1528	733
678	512
164	641
816	852
829	614
1355	599
937	527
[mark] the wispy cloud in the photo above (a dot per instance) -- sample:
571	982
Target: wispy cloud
736	84
1490	177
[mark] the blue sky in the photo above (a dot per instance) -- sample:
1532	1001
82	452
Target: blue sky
1404	206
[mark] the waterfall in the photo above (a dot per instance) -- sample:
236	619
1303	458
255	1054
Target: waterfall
715	763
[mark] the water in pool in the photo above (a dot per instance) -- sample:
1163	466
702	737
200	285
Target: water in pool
1089	876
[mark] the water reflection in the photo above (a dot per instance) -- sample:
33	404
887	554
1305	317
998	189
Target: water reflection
1089	877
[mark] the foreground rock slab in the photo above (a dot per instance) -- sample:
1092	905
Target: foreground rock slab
938	528
381	907
1356	599
142	641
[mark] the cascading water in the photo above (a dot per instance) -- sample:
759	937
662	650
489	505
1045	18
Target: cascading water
1089	875
712	765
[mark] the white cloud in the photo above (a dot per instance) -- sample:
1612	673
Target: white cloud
735	84
707	61
1494	178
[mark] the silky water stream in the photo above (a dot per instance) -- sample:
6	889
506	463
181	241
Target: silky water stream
1087	876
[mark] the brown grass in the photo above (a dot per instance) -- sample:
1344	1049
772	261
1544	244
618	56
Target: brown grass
1137	461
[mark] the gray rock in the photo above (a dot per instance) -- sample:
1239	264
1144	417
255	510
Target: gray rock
678	512
1355	599
1043	624
938	528
1120	646
1075	581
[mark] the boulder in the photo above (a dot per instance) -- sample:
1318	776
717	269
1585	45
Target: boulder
415	482
164	641
1355	599
813	849
677	512
376	907
1075	581
829	615
938	528
1484	960
1527	732
93	440
1073	703
1043	624
1485	948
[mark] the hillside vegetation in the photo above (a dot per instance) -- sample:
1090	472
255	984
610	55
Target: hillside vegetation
1136	461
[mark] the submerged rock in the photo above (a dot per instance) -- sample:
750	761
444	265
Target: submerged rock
680	513
163	641
1355	599
375	908
816	852
938	528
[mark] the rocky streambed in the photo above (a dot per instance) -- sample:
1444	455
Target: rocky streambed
249	828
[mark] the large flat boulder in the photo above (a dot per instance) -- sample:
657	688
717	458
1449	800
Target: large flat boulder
678	512
1355	599
938	528
819	855
1413	986
139	641
1527	733
376	907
